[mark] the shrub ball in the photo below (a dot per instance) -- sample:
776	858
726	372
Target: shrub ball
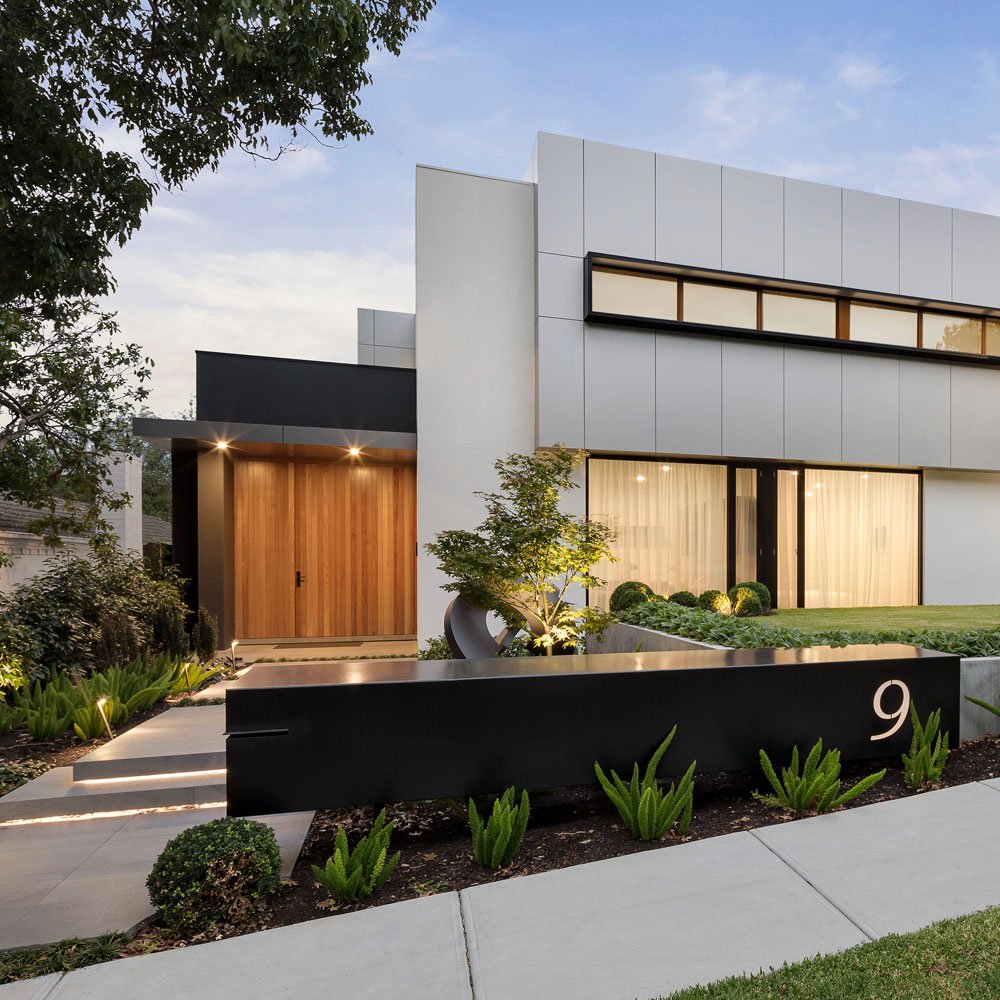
760	589
717	601
684	598
748	605
216	876
627	595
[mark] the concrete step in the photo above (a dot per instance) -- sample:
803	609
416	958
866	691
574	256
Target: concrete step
56	793
180	740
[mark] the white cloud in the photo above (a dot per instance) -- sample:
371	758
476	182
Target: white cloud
737	106
282	303
179	216
954	174
865	72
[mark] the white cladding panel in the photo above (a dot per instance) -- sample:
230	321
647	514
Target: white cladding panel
752	222
870	410
560	286
688	395
619	211
924	250
925	413
560	382
813	222
620	393
752	400
812	404
559	167
976	258
961	538
871	241
975	418
688	212
475	293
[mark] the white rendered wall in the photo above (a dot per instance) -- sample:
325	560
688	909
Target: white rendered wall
475	334
30	556
126	477
961	538
608	388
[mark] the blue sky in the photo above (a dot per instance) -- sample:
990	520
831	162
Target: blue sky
274	258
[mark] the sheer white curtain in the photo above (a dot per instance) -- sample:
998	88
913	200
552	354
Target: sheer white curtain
746	525
861	538
788	538
671	523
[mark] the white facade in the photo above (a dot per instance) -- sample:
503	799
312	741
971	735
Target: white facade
506	361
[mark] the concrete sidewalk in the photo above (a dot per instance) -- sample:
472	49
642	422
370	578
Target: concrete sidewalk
636	926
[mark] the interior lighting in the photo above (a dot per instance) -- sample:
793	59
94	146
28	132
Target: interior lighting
666	468
809	493
353	451
864	475
640	479
819	486
222	445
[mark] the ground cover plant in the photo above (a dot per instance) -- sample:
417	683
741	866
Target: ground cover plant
352	874
814	788
951	960
645	807
63	956
706	626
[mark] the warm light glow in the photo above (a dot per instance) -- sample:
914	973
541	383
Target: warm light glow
809	493
102	701
666	468
640	479
222	445
111	814
795	472
819	486
864	475
172	776
354	452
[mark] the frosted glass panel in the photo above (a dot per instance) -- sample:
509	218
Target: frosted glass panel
883	326
993	337
720	306
797	314
861	538
634	295
670	520
788	539
953	333
746	525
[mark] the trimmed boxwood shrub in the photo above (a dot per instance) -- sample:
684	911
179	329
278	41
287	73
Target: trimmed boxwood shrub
215	876
760	589
627	595
684	598
715	600
747	604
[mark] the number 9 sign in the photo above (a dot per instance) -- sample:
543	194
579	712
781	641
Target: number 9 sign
899	715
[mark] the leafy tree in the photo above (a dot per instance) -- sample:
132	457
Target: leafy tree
528	552
65	388
189	81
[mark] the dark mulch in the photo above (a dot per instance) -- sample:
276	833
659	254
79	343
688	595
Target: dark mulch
569	826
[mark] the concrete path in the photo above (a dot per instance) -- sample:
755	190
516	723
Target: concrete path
637	926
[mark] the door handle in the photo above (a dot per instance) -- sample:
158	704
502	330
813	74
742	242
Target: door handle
299	580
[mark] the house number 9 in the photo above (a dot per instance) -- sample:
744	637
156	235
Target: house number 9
899	715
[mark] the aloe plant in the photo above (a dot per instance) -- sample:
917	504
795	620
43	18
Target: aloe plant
817	787
497	840
646	809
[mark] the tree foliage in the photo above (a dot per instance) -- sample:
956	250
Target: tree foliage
529	551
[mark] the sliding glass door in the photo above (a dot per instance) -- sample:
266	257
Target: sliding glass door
817	537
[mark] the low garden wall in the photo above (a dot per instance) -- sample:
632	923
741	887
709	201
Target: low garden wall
622	638
980	674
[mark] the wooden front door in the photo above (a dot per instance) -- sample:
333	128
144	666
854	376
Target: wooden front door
342	562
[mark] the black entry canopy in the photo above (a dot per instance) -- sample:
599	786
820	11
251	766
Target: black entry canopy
247	389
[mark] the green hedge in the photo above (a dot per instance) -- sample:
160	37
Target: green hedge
745	633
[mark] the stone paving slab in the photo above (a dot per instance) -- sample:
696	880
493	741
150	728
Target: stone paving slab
88	877
30	989
896	866
412	950
646	924
180	739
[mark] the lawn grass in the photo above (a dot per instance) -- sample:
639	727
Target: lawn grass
64	956
931	616
952	960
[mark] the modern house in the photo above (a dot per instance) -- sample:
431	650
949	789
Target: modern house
774	379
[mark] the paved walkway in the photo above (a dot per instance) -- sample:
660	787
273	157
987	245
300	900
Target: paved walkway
637	926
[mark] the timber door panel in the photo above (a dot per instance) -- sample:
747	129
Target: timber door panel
355	530
264	549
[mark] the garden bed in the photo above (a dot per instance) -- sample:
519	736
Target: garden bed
568	826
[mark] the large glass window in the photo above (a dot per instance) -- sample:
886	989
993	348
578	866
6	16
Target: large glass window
788	538
993	337
719	305
746	525
861	532
629	294
883	326
670	520
953	333
798	314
